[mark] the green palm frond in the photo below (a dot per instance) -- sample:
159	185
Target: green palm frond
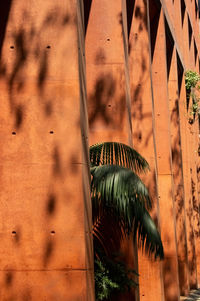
144	227
109	153
115	228
119	193
117	186
148	235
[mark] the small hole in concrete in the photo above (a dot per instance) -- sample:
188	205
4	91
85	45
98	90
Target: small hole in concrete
12	47
13	133
51	132
53	232
48	47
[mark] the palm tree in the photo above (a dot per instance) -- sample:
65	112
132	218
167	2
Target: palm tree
120	204
118	194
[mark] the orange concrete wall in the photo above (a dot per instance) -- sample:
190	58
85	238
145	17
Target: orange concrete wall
108	83
143	135
60	60
159	123
45	211
166	183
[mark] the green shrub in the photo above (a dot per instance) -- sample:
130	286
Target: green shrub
112	276
191	79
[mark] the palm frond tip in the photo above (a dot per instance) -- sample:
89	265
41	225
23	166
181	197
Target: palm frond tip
148	235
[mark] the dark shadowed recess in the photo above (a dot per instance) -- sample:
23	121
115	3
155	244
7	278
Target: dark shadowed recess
87	7
195	52
189	32
4	14
199	65
199	7
154	16
196	9
130	4
182	11
169	47
180	73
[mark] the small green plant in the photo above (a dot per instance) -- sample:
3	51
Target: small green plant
112	276
191	79
103	282
195	108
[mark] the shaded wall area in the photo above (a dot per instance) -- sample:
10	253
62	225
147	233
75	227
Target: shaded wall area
108	102
117	66
46	251
136	95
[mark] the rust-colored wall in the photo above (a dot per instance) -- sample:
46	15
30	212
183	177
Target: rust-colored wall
108	84
46	250
123	62
152	82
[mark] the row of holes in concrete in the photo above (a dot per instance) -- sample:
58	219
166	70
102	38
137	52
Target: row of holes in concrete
48	46
12	47
14	133
15	233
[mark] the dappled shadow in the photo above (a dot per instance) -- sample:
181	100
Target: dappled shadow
57	162
29	58
9	277
104	91
35	96
102	105
134	12
4	14
51	204
48	251
139	78
139	116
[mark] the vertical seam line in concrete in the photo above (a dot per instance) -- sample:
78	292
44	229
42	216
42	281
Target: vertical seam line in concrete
154	142
85	151
128	106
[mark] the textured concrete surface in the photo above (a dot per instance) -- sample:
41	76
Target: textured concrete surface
44	170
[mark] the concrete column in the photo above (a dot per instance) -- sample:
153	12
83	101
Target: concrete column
192	124
185	41
44	197
108	86
105	73
193	138
150	280
191	273
164	162
178	22
179	191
